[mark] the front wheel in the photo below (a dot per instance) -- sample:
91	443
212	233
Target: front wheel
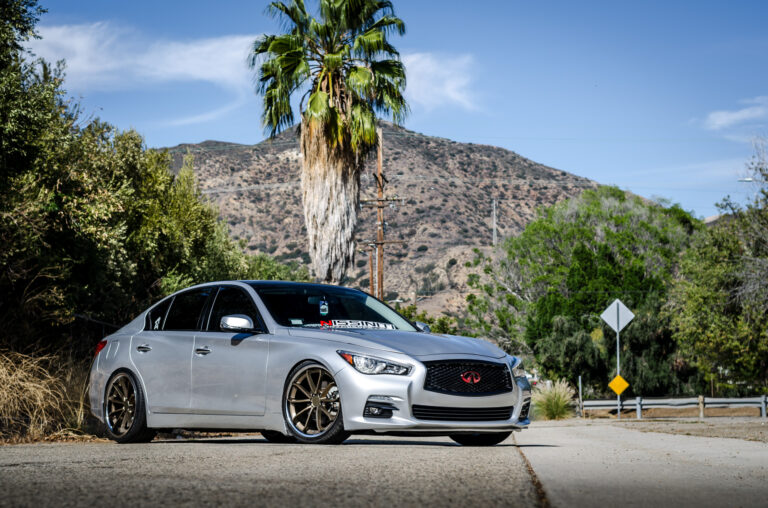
312	405
480	439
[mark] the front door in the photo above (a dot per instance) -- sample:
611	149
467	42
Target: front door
229	369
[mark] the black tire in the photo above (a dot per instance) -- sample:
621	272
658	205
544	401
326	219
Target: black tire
480	439
122	427
277	437
334	432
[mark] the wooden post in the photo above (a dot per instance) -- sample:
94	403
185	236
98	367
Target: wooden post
701	406
380	217
370	271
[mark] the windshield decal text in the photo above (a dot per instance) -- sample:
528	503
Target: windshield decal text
353	323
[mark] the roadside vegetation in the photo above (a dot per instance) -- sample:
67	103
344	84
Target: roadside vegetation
94	227
699	293
553	401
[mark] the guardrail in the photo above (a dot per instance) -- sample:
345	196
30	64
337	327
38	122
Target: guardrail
640	403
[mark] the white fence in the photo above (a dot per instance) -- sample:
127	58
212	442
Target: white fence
640	403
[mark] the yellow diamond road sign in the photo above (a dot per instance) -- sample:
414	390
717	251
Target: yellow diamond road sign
618	385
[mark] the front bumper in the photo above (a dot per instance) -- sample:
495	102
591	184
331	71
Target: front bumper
401	393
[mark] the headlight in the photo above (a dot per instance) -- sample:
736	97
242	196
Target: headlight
517	368
371	365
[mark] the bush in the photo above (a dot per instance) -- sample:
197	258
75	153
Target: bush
41	396
553	402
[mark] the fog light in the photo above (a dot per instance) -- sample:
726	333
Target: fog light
378	410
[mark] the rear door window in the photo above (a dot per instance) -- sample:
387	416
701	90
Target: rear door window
187	309
156	316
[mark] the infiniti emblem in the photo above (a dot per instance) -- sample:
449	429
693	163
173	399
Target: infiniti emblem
470	377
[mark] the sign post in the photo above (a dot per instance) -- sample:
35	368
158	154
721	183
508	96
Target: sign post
617	316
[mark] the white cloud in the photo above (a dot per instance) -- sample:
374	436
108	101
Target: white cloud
756	109
439	80
103	57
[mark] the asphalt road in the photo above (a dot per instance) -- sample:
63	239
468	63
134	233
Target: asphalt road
365	471
574	464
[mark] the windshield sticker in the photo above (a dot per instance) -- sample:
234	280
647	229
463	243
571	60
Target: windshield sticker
352	323
297	322
323	308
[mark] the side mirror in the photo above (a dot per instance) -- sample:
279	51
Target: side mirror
423	327
236	323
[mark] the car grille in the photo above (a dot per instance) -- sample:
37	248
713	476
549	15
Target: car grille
484	378
462	414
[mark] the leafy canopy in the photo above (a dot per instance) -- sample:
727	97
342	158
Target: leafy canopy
343	63
545	292
92	224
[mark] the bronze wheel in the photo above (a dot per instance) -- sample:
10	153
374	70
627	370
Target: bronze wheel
313	405
121	404
124	410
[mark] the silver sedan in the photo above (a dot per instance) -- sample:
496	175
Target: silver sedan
307	363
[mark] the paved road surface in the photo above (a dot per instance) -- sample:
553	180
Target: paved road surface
365	471
578	463
604	464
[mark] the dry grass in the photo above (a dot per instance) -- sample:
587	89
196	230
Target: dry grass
42	396
553	402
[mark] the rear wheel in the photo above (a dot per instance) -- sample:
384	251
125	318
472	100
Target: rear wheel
480	439
125	411
312	405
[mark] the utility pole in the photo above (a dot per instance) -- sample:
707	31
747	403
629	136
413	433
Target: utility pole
494	223
380	216
370	267
377	290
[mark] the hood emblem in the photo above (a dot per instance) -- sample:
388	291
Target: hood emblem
470	377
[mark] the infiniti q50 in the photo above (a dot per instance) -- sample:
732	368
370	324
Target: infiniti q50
298	362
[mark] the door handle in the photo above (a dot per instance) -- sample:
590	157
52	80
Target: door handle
144	348
202	351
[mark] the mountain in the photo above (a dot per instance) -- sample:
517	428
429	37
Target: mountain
446	189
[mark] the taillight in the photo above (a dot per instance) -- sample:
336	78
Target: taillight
100	346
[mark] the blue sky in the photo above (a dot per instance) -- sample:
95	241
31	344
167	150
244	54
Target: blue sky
660	98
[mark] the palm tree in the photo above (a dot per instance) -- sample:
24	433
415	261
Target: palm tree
346	72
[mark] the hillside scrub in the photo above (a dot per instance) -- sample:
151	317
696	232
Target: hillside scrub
543	295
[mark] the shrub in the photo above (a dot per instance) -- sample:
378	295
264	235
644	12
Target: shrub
553	402
41	395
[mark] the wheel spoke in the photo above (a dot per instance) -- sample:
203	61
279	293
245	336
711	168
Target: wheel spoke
312	385
327	414
294	401
305	392
318	421
309	417
296	416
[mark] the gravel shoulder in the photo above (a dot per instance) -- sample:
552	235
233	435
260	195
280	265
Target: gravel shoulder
240	471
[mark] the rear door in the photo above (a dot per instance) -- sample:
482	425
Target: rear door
163	352
229	369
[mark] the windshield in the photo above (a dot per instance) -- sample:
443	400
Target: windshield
318	306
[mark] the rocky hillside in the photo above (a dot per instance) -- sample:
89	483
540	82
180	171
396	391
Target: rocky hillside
447	190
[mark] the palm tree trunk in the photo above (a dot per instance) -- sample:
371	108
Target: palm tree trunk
330	184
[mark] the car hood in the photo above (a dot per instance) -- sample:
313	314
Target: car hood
415	344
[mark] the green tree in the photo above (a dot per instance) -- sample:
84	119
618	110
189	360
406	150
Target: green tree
348	72
92	224
543	294
719	304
